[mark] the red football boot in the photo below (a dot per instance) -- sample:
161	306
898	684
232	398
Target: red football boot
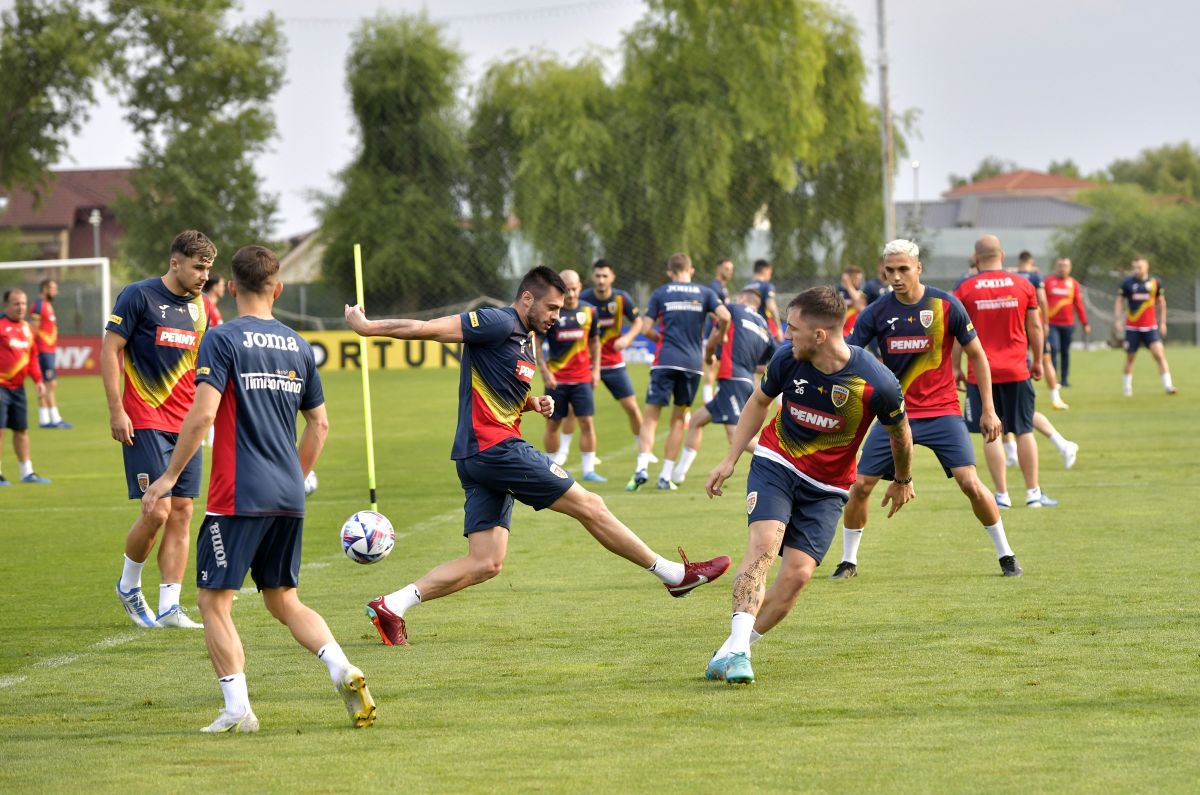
390	625
696	574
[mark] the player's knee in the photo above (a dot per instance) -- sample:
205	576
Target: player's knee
487	568
595	508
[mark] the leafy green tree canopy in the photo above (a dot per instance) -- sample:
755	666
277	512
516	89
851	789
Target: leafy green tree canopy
1171	169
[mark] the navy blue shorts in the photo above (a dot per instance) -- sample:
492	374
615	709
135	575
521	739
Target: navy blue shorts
513	468
147	459
946	436
726	406
619	384
46	363
266	546
577	396
668	385
811	514
1136	338
14	410
1013	402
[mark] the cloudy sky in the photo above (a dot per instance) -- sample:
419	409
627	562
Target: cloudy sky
1026	80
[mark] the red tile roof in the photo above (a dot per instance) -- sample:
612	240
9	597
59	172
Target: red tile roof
68	192
1022	181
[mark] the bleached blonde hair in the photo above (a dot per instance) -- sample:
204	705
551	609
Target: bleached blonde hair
902	246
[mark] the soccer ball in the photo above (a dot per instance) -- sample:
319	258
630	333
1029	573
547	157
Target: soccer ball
367	537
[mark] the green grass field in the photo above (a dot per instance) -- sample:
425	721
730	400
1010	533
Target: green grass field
574	671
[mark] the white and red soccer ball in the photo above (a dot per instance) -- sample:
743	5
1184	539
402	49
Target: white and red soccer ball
367	537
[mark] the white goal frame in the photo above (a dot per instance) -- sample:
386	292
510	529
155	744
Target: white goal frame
83	262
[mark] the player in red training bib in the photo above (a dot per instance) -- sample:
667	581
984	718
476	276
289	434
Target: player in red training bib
148	366
1064	297
1142	302
803	465
18	359
495	465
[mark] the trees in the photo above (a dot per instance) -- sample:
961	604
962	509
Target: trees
990	166
404	196
197	88
1171	169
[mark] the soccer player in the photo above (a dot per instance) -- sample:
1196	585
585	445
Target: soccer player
1027	268
722	274
917	326
676	311
762	283
746	349
1145	312
571	372
1004	311
18	358
214	291
155	328
613	308
42	312
803	465
495	465
850	289
1065	297
253	375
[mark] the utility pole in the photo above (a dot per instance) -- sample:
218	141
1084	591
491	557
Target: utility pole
885	127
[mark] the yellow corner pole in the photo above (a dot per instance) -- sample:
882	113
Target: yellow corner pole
366	380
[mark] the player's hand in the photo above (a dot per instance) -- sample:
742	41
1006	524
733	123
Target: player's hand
549	380
356	319
1162	330
1035	369
596	379
621	343
898	495
41	389
989	425
960	379
122	428
721	473
542	404
1087	329
158	490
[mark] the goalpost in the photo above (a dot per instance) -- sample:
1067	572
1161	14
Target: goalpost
49	265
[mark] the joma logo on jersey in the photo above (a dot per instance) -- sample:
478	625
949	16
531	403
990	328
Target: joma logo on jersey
176	338
525	371
254	339
908	344
817	420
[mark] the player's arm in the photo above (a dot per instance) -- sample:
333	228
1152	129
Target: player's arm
1033	329
625	340
773	313
722	318
594	352
1161	301
1118	310
1081	309
989	422
312	440
1043	306
956	352
110	375
195	425
443	329
753	416
548	379
901	490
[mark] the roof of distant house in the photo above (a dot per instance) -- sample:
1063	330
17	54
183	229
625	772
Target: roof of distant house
65	194
1022	181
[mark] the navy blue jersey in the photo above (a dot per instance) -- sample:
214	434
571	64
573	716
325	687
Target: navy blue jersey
678	310
823	418
1141	301
499	359
265	373
162	333
873	289
718	287
916	342
611	313
748	343
1034	277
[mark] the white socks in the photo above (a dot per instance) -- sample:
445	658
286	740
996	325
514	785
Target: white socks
999	540
1058	441
643	461
1166	379
667	469
685	463
708	392
739	635
401	600
44	416
1055	395
667	571
168	596
237	699
564	449
54	415
755	636
589	462
1127	384
131	575
850	541
26	468
1010	452
335	660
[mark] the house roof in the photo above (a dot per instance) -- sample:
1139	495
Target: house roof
67	192
1022	181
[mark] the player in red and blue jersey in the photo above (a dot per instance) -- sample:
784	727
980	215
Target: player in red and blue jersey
1065	298
917	327
150	349
745	351
571	372
41	313
253	376
1142	302
18	359
495	465
1027	268
613	308
722	275
803	465
675	316
765	288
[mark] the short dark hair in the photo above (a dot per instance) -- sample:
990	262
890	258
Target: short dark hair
822	306
253	268
603	263
45	282
213	280
538	281
761	265
678	263
191	243
1024	256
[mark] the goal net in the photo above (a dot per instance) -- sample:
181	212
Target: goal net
84	290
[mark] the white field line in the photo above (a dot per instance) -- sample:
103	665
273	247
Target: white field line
63	660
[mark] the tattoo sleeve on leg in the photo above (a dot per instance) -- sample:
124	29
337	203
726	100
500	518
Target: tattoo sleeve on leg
750	587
